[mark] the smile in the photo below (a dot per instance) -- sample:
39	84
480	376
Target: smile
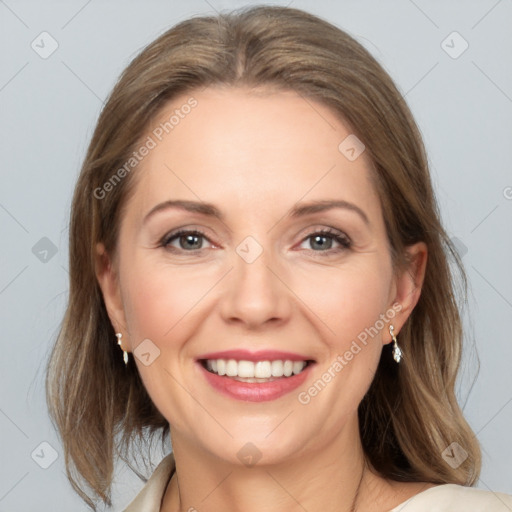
254	381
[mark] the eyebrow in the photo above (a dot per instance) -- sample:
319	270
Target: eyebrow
297	211
321	206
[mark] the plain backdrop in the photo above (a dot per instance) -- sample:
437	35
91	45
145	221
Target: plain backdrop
450	59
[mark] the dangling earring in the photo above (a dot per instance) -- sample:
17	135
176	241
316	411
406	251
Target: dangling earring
397	352
119	337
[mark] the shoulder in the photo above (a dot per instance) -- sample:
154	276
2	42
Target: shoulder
456	498
150	497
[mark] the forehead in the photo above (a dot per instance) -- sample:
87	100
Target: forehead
250	149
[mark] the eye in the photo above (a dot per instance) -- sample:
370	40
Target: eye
185	240
323	241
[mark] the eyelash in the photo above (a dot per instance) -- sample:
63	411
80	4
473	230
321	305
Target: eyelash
342	239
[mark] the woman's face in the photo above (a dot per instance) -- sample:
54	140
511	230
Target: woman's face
252	235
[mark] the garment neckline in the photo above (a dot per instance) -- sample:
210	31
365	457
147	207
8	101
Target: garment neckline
399	507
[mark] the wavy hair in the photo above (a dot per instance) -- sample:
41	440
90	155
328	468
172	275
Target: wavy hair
410	414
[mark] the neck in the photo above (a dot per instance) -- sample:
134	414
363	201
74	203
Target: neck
325	476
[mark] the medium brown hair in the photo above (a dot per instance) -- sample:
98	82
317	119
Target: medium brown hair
410	413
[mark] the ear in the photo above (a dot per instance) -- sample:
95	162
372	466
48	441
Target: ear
408	284
109	284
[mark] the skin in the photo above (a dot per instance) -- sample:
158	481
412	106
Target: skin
255	155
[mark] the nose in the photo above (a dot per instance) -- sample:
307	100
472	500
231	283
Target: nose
255	295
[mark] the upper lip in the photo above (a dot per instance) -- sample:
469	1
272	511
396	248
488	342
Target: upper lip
260	355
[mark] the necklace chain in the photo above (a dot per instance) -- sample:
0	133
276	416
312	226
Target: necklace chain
353	508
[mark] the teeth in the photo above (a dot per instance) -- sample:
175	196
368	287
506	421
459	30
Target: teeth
259	370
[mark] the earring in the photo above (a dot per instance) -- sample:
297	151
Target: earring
397	351
119	337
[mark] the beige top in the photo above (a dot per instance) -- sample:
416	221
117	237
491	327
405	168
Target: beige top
441	498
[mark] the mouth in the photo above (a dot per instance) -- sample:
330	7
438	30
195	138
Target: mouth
246	377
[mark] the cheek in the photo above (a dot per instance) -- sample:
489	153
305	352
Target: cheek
348	304
348	300
161	300
166	305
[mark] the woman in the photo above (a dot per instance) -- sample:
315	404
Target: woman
257	268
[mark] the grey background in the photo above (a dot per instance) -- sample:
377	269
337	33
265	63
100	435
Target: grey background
49	106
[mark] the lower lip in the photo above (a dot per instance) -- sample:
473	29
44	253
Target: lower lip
255	391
